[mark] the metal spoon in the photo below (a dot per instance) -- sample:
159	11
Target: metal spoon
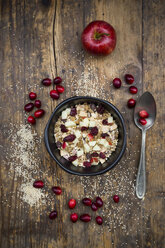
146	102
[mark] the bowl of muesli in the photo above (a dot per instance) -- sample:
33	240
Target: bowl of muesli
86	135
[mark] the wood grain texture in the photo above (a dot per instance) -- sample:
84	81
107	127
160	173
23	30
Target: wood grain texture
41	39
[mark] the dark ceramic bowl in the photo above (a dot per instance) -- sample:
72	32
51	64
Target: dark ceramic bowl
66	165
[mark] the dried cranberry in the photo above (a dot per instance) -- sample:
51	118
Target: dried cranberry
53	215
73	111
87	201
93	206
87	164
63	128
32	95
84	129
116	198
99	220
74	217
58	144
38	184
103	135
85	217
54	94
31	120
57	190
69	138
94	131
100	109
39	113
129	78
72	158
117	83
102	155
133	90
29	106
57	80
94	154
37	103
46	81
60	89
93	107
72	203
105	122
99	202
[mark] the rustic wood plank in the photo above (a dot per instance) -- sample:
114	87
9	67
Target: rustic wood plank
40	39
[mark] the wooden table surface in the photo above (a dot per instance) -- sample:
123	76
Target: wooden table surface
41	39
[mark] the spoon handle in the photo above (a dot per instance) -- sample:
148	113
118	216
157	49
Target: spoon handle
141	176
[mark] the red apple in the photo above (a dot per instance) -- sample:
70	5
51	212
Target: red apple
99	38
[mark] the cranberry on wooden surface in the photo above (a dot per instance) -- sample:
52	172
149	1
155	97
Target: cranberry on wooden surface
117	83
29	106
143	121
57	190
72	203
116	198
129	78
87	201
32	95
74	217
133	90
60	89
143	114
85	217
39	113
99	202
131	103
38	184
53	215
93	206
57	80
31	120
46	81
54	94
37	103
99	220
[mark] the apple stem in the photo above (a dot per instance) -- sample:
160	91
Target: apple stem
99	35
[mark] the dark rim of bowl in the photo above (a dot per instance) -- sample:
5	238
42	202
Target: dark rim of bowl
93	99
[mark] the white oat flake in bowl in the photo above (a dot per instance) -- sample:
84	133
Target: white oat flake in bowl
86	134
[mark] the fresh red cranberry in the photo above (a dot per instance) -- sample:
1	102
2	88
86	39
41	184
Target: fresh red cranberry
133	90
143	121
102	155
39	113
46	81
63	128
64	145
87	201
32	95
85	217
84	129
31	120
99	202
87	164
72	203
74	217
53	215
129	78
72	158
116	198
117	83
57	190
103	135
54	94
94	154
57	80
94	131
93	206
73	111
29	106
105	122
37	103
131	103
60	89
143	114
69	138
100	109
38	184
99	220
